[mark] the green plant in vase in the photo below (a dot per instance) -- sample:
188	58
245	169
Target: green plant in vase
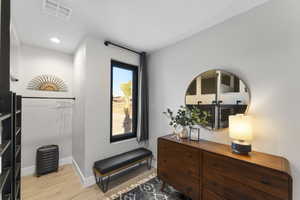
198	116
187	117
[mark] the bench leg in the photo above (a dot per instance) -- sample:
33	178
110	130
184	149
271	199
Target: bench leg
149	162
96	177
98	180
102	182
105	183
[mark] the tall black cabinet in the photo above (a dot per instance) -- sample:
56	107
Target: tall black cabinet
10	117
5	46
6	149
17	101
10	147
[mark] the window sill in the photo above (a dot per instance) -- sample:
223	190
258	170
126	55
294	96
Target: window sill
125	140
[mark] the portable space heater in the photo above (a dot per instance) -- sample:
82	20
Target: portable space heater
47	159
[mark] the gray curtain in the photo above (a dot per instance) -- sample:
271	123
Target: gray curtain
143	125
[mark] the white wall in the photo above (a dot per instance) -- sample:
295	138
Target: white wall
261	47
15	56
38	61
45	121
79	78
97	103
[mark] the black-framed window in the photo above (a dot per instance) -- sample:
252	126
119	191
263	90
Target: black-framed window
124	101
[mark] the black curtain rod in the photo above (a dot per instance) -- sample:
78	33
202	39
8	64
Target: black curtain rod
66	98
106	43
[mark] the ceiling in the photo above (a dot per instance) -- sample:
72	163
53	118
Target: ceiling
140	24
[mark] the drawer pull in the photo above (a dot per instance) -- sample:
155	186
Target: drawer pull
265	182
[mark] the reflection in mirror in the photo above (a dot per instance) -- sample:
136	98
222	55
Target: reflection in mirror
219	93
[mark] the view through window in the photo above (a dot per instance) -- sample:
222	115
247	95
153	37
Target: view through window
124	84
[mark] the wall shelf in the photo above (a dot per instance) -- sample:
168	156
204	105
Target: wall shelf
3	178
58	98
4	146
18	131
10	103
7	197
18	168
18	149
4	116
10	146
18	188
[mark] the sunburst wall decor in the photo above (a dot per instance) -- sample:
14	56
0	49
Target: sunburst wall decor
47	83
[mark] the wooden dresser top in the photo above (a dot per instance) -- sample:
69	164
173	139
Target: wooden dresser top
261	159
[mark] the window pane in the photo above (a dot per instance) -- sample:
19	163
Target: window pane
122	109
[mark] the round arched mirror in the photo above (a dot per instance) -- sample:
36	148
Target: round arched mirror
220	94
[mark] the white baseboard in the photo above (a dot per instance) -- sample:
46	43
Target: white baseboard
27	171
89	181
78	170
86	182
65	161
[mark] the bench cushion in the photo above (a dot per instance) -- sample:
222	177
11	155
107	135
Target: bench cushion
113	163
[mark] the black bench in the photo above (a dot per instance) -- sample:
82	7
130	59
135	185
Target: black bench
104	169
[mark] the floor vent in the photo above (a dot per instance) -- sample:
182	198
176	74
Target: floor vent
57	9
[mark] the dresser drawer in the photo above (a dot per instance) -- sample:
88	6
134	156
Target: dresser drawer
183	159
231	190
186	185
258	178
209	195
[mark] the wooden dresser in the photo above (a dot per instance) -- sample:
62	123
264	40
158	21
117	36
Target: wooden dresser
210	171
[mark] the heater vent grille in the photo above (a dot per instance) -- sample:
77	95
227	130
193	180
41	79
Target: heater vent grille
47	158
57	9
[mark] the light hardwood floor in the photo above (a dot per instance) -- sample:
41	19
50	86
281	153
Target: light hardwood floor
65	185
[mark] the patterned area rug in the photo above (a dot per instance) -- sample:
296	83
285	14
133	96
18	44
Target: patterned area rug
150	190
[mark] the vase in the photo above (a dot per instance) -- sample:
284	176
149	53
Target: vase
184	133
194	133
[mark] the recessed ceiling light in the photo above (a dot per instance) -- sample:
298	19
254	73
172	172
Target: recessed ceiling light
55	40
